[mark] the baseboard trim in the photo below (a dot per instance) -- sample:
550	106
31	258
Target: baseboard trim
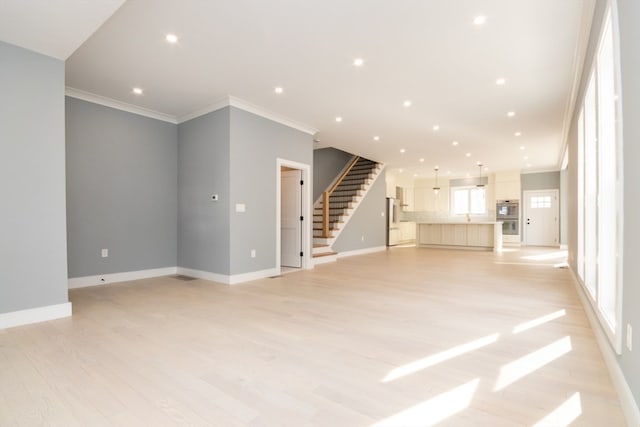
627	401
229	279
361	251
83	282
34	315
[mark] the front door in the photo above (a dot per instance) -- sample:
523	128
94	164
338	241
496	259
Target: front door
540	223
290	218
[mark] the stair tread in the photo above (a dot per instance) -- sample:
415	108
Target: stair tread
324	254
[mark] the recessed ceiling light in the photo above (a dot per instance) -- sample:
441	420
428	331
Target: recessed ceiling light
455	143
402	150
522	147
137	91
358	62
511	114
436	127
478	163
518	133
278	90
479	20
407	103
415	175
486	169
171	38
339	119
422	160
468	154
401	170
525	158
528	165
501	81
448	172
376	138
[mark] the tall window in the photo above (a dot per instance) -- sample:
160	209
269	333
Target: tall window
468	200
598	208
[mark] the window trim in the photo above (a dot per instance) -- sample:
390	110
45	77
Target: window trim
468	188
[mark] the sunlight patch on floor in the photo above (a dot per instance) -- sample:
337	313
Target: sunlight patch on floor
539	321
434	410
513	371
418	365
546	256
564	414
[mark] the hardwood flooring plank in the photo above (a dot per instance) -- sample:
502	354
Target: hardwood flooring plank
359	342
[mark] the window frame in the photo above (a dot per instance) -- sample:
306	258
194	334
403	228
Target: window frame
468	189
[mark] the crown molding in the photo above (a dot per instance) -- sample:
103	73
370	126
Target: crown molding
118	105
232	101
262	112
225	102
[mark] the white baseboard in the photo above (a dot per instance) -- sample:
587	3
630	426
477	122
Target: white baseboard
83	282
229	279
362	251
627	401
34	315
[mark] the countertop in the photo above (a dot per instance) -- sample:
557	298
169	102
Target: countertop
461	222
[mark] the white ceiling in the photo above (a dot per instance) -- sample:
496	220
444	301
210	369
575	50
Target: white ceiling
53	27
428	51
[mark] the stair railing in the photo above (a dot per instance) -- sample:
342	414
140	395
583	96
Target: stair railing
327	194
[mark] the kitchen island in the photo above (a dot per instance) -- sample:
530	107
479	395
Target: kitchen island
460	235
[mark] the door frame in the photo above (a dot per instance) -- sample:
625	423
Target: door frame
307	263
525	209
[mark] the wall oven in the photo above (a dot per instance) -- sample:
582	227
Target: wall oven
510	227
508	211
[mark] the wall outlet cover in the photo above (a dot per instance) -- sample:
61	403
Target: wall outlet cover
104	253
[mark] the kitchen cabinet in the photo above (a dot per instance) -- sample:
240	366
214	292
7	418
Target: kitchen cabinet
479	235
408	199
407	232
454	234
429	234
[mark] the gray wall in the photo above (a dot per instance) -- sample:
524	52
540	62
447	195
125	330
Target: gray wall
327	164
629	26
564	196
121	190
629	12
204	231
366	222
540	181
33	252
256	143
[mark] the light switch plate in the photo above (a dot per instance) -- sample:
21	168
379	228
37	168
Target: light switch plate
104	253
240	207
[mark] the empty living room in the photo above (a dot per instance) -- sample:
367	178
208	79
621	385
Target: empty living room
363	213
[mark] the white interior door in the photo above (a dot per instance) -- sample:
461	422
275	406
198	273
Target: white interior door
541	218
290	214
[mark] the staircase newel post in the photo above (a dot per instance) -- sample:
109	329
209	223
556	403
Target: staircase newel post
325	214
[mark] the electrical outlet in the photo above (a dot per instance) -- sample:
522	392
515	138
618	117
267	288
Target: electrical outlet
104	253
214	197
629	337
253	253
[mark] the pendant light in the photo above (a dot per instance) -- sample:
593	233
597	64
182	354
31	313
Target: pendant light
436	189
480	184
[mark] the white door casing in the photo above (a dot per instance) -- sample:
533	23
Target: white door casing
541	218
290	222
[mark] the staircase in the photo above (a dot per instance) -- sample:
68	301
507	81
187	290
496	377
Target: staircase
332	212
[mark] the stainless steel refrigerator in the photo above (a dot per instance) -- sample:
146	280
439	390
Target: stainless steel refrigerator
393	226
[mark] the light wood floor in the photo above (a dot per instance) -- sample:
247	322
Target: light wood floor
404	337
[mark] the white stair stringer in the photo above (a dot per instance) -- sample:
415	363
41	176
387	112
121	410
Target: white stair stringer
327	242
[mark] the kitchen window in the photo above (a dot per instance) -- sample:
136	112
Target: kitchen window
468	200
